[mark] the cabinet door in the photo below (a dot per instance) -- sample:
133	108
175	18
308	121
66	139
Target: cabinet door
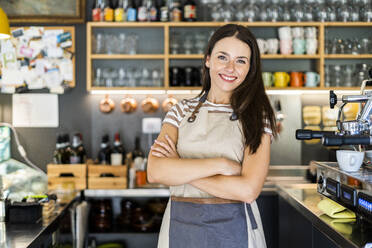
268	206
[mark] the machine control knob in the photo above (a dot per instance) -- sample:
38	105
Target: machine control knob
321	183
332	99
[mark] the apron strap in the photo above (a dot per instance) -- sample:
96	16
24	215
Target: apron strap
202	99
251	216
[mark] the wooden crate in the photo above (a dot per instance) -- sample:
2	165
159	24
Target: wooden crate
56	180
95	181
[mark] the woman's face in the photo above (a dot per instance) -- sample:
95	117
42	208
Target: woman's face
228	64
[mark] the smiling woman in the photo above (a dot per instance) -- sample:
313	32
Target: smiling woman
214	150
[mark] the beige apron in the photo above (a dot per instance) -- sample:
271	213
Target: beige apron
211	135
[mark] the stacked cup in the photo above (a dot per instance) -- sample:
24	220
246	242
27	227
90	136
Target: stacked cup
299	43
285	37
311	41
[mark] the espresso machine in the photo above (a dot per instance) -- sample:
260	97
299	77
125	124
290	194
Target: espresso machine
350	189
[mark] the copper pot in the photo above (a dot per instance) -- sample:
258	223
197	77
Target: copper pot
106	105
150	105
128	104
168	103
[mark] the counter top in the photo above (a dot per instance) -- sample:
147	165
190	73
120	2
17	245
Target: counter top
305	198
33	235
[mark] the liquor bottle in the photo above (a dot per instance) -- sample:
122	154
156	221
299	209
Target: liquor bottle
104	154
120	11
137	149
131	12
96	11
142	11
118	152
164	11
176	12
189	11
66	149
78	153
152	11
57	155
108	11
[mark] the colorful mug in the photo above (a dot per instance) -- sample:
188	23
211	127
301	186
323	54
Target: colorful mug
297	79
312	79
281	79
267	78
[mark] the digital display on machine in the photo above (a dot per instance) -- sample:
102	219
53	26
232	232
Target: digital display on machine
332	188
346	195
367	205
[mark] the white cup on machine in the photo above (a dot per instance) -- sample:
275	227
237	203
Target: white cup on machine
349	161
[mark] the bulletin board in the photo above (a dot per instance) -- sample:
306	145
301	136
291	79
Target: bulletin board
39	57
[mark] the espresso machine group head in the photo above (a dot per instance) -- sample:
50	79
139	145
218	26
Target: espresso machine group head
354	132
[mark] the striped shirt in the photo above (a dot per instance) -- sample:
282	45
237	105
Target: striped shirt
179	111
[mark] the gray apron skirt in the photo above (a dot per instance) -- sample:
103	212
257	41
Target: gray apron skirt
203	222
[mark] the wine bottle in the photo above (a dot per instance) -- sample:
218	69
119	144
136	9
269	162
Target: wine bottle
189	11
137	150
104	154
108	11
118	152
57	155
66	149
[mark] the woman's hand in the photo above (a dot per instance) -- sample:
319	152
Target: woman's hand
164	150
230	168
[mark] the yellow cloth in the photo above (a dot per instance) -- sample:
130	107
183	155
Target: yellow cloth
341	225
335	210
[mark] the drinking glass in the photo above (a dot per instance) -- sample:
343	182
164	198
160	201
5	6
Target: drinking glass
132	42
155	78
188	44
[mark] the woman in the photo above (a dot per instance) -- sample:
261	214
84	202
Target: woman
214	150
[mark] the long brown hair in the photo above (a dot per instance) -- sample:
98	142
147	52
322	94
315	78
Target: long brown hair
249	100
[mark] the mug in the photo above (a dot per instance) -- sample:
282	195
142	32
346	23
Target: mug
267	78
310	32
297	79
285	33
168	103
281	79
272	46
297	32
150	105
299	46
285	46
128	104
349	160
262	46
311	46
106	105
312	79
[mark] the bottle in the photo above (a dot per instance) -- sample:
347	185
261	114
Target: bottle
142	11
189	11
164	12
66	149
176	12
119	11
104	154
96	11
118	152
57	155
108	11
137	149
78	154
131	12
152	11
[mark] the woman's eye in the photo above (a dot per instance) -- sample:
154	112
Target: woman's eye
221	57
241	61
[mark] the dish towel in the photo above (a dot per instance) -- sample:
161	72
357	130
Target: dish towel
335	210
344	226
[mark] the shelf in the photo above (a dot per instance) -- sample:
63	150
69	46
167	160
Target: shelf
289	56
163	192
263	56
127	56
348	56
348	24
186	56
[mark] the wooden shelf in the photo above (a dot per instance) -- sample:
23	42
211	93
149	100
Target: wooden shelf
127	56
289	56
348	56
186	56
166	57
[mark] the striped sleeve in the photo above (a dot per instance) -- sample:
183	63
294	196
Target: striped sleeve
176	114
267	128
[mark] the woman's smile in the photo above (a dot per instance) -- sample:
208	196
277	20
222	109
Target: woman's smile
229	79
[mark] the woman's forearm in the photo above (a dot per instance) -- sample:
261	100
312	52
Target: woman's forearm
176	171
229	187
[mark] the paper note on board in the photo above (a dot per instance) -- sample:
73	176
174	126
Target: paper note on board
35	110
